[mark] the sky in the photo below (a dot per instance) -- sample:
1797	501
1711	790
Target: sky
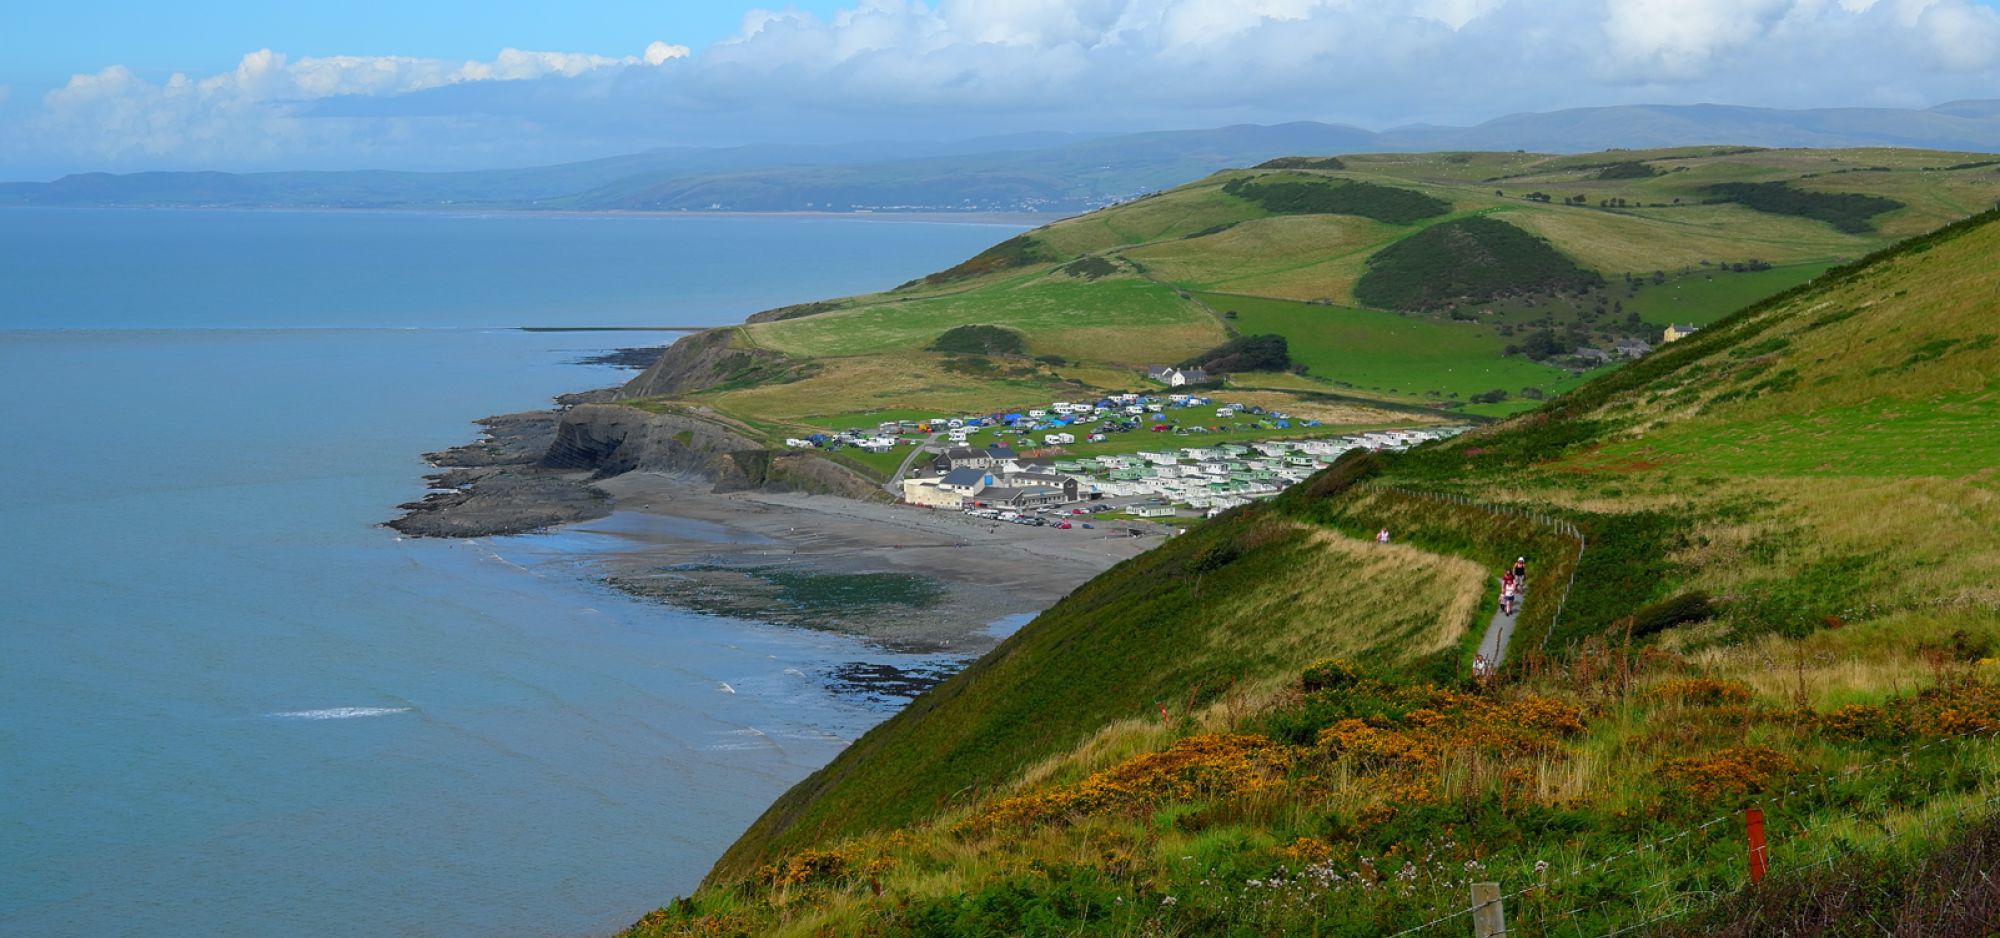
130	85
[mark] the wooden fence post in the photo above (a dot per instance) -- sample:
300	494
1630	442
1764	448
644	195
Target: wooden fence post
1487	918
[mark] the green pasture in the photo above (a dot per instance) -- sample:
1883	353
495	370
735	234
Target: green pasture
1393	354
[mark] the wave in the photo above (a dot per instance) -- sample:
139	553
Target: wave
337	713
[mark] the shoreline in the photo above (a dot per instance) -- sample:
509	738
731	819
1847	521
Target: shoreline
988	219
909	579
691	542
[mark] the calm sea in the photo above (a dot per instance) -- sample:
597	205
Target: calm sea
232	705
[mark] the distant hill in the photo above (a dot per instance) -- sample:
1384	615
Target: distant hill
1053	173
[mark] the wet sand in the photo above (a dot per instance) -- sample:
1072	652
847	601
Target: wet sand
927	580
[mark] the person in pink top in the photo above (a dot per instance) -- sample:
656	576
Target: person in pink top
1508	588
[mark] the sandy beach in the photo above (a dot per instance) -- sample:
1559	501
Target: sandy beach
911	578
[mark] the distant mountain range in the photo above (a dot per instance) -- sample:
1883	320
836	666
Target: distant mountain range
1057	173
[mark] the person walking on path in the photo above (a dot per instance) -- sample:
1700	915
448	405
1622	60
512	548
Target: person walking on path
1508	586
1382	536
1520	572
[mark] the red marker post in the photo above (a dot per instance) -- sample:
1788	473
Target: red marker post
1753	827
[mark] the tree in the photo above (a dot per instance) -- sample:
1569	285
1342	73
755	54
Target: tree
1542	344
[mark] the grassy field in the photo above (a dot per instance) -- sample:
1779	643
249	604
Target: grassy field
1125	320
877	465
1788	601
1393	354
1705	295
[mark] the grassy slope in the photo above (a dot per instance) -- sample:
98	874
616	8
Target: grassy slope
1379	351
867	353
1702	467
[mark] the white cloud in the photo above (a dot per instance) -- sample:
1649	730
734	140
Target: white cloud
659	52
910	68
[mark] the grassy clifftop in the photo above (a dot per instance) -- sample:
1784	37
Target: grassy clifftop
1786	600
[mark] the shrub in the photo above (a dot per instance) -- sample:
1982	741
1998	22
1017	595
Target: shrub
1702	692
1474	260
980	340
1017	251
1851	212
1303	162
1680	610
1630	169
1738	770
1091	267
1249	353
1303	196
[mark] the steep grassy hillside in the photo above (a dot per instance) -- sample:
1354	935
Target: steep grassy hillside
1763	573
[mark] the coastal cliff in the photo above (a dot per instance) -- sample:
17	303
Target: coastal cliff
613	439
533	470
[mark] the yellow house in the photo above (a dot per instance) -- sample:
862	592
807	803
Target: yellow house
1676	332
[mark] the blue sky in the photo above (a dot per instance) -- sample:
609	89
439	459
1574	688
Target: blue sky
52	40
121	85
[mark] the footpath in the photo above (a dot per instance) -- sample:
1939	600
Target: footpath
1498	633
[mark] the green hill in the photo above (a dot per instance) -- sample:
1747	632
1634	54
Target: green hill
1505	276
1762	568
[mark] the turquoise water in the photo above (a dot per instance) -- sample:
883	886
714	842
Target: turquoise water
232	705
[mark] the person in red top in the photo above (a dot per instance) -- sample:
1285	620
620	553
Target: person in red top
1507	587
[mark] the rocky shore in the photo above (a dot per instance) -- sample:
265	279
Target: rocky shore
498	485
707	518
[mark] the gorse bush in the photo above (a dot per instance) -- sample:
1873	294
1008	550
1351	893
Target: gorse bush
1472	260
981	340
1015	252
1249	353
1851	212
1338	197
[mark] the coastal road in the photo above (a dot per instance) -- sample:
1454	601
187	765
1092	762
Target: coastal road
1498	633
895	484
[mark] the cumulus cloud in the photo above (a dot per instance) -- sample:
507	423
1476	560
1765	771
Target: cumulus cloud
910	68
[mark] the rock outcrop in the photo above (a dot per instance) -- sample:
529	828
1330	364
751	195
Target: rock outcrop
613	439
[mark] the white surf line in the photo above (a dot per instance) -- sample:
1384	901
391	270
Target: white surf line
338	713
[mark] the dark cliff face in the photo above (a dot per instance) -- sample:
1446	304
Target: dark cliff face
613	439
708	359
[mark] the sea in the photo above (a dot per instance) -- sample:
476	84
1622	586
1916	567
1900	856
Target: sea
231	704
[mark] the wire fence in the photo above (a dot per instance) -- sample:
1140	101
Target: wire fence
1796	850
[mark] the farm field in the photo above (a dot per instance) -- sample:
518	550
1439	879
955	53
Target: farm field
1090	302
1704	296
1117	319
1394	354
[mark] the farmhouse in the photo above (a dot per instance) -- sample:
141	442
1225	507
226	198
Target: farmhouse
1634	348
1176	377
1677	331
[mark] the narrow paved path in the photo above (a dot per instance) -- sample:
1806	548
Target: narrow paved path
1498	633
895	484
